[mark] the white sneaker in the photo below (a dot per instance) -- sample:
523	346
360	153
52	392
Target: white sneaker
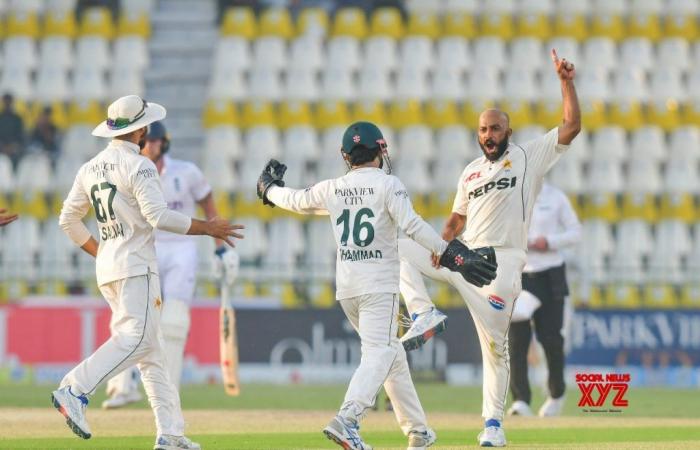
121	399
420	440
552	407
73	409
170	442
345	433
424	327
520	408
492	437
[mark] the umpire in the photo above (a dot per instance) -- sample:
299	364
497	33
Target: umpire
554	226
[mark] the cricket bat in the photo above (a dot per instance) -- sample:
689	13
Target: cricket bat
228	344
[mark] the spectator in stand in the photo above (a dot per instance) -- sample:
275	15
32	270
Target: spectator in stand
11	129
45	133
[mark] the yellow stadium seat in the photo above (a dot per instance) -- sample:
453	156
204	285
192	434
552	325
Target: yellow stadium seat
350	22
644	25
424	24
601	206
460	24
288	295
54	288
691	113
500	25
441	113
313	21
576	203
690	296
421	204
239	21
276	22
258	113
679	206
59	115
224	204
134	23
219	112
571	25
666	114
534	25
472	110
608	25
622	296
369	111
639	206
549	113
85	112
331	113
403	113
33	204
322	295
23	24
387	22
685	26
294	113
657	295
56	203
60	23
520	112
97	21
594	114
627	114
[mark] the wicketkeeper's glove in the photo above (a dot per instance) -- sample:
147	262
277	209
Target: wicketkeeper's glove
476	266
226	264
271	174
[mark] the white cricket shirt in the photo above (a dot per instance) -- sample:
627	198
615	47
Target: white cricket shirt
555	219
183	186
366	207
124	189
497	197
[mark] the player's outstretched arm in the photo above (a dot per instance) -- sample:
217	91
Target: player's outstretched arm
272	192
571	124
6	218
217	228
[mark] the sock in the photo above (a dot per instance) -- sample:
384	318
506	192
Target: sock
493	423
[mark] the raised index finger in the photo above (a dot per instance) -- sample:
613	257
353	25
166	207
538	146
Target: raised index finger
555	58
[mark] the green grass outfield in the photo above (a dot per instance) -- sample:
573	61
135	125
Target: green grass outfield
290	417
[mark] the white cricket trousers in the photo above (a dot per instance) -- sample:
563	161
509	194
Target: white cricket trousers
136	338
490	307
383	362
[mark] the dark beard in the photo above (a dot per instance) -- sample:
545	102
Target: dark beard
142	142
502	147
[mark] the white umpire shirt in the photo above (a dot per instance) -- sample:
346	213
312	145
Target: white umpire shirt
554	219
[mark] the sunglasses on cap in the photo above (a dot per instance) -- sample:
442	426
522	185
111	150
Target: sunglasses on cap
121	122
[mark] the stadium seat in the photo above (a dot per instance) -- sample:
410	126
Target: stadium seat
56	258
386	21
630	90
596	246
415	143
306	52
533	19
649	141
51	84
131	51
667	92
337	84
684	144
484	85
600	53
17	81
608	19
145	6
447	84
441	113
381	51
60	23
343	52
313	22
660	295
566	174
321	253
332	166
604	183
223	140
97	21
680	184
89	84
414	174
264	84
218	111
21	50
642	185
637	52
416	52
93	52
125	80
610	144
681	19
453	53
519	86
294	113
460	24
85	112
526	53
300	143
288	236
270	52
256	242
23	23
134	23
276	22
7	177
239	21
620	295
424	24
570	19
497	19
690	295
375	84
331	114
232	54
455	143
674	53
35	6
404	113
411	83
672	246
57	52
490	52
566	47
350	22
227	85
21	248
643	20
301	84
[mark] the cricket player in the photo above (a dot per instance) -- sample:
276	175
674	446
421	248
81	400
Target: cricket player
495	197
184	188
367	206
6	218
554	226
125	192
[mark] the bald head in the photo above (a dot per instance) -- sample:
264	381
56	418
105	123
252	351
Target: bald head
494	132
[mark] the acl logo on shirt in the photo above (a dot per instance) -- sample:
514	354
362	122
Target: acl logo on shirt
496	302
501	184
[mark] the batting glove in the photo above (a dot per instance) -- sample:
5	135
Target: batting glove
226	264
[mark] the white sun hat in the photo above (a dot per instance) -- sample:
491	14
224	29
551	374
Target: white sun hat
128	114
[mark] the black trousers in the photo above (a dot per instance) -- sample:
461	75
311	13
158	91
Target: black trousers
550	287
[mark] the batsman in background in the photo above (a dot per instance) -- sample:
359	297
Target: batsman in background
495	197
125	192
184	188
367	206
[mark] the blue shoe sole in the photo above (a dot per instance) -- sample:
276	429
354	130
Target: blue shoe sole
418	341
72	425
